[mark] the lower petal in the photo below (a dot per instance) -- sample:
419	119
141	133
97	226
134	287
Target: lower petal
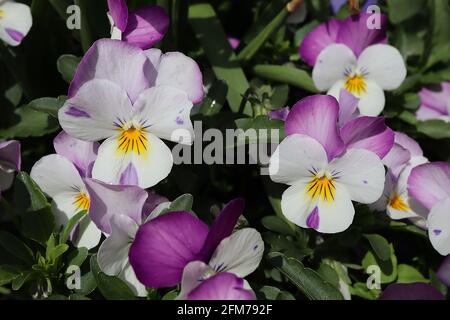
439	226
223	286
372	102
87	234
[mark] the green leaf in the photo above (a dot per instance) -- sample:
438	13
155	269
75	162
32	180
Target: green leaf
215	99
57	251
400	10
112	288
67	65
222	58
21	279
437	46
329	274
273	293
50	106
171	295
38	225
16	247
182	203
379	245
409	274
30	123
286	74
277	224
37	199
389	270
360	289
65	233
436	129
313	285
250	50
77	257
7	274
88	284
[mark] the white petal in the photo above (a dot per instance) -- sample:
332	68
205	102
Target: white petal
384	65
362	173
295	205
295	157
240	253
87	234
439	226
371	103
331	65
92	113
64	207
54	174
193	274
130	278
150	168
166	111
17	19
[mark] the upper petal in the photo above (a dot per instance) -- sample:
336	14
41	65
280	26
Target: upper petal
316	116
356	34
223	286
146	26
164	246
362	174
408	143
15	22
331	65
383	64
370	133
105	60
429	183
81	153
119	12
318	39
108	201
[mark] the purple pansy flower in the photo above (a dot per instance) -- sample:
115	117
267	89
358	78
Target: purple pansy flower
429	184
349	55
435	102
164	246
10	161
61	176
131	106
15	22
328	167
411	291
143	27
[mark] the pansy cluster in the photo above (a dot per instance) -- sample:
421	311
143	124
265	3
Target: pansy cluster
128	101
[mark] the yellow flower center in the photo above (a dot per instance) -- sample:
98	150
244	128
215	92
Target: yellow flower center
321	187
132	139
82	201
355	84
397	203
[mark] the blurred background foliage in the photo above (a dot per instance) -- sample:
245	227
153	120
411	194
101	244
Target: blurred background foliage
263	73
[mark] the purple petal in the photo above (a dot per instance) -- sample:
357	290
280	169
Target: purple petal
370	133
110	200
316	116
119	12
408	143
105	60
436	98
355	34
429	183
16	35
426	113
318	39
10	156
81	153
313	219
396	159
164	246
443	273
348	107
146	26
222	226
234	42
279	114
411	291
129	176
222	286
153	200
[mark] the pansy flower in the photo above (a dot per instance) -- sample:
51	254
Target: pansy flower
61	177
164	246
131	106
347	54
429	184
10	161
328	168
435	102
15	21
118	211
143	27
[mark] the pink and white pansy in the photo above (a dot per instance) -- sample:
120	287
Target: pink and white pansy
15	22
132	98
435	102
327	167
429	184
348	55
